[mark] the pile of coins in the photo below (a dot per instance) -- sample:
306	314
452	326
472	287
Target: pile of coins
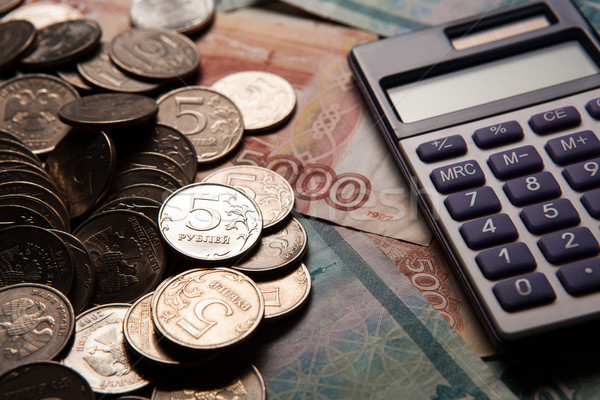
114	259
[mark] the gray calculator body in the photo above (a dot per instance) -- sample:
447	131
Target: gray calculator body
495	123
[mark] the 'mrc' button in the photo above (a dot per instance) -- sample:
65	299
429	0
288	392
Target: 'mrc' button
455	177
555	120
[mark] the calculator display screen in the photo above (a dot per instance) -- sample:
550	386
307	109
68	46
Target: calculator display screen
492	81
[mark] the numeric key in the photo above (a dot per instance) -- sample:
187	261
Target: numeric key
568	245
472	203
524	292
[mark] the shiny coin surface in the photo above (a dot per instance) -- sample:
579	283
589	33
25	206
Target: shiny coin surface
37	205
100	71
82	165
15	39
12	215
70	75
44	380
40	192
277	249
29	109
128	254
144	175
211	121
179	15
148	207
265	99
271	192
60	43
233	382
146	190
34	255
28	175
208	308
42	14
210	222
285	293
154	53
154	161
36	323
99	353
108	110
7	5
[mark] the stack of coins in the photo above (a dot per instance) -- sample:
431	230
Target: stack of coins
114	259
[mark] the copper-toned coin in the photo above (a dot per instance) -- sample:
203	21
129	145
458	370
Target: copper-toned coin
108	110
62	42
211	121
38	206
71	75
230	382
28	175
154	53
99	353
28	108
265	99
44	380
208	309
12	215
7	5
36	322
148	207
43	14
144	175
82	164
210	222
285	293
184	16
146	190
18	146
15	39
277	249
11	155
128	254
273	194
83	272
34	255
154	161
43	194
100	71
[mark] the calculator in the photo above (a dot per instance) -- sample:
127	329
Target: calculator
495	123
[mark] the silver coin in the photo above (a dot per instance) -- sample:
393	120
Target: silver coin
99	353
43	14
265	99
211	121
271	192
285	293
208	309
184	16
210	222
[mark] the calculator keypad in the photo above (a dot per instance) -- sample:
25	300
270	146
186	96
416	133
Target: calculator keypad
524	198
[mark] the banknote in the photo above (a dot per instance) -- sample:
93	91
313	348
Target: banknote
366	333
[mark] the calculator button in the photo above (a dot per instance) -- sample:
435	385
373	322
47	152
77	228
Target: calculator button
515	162
580	277
532	189
568	245
499	134
554	120
455	177
472	203
584	175
524	292
593	108
488	231
549	216
442	148
574	147
500	262
591	202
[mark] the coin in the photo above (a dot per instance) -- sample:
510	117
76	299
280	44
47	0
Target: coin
44	380
155	161
99	353
39	206
28	109
211	121
82	164
265	99
208	309
7	5
108	110
146	190
144	175
12	215
230	382
18	146
285	293
36	322
277	249
28	175
44	13
15	39
210	222
128	254
100	71
70	75
62	42
43	194
184	16
35	255
154	53
273	194
83	272
148	207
